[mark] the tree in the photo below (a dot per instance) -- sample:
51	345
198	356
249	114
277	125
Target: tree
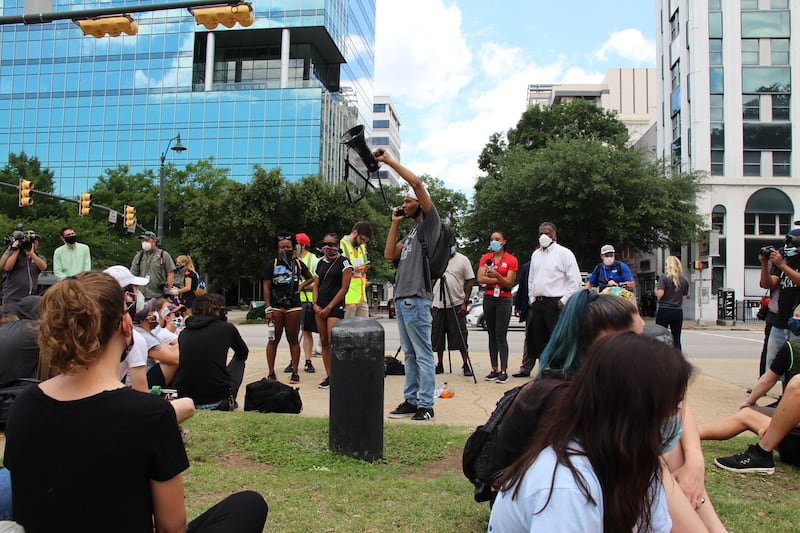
594	188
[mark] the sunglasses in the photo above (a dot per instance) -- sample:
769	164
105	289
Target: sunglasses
285	237
330	244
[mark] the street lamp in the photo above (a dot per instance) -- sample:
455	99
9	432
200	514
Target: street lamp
161	172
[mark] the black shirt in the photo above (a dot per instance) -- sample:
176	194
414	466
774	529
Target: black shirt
330	276
285	278
789	295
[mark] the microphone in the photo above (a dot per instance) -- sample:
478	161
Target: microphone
488	263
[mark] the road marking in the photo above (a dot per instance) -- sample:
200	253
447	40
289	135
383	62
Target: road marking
759	341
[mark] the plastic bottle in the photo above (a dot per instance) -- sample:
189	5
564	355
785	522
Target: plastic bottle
437	392
270	331
447	392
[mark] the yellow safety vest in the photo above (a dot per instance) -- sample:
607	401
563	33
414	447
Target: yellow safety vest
307	294
357	292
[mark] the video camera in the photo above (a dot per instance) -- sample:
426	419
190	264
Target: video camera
765	251
24	238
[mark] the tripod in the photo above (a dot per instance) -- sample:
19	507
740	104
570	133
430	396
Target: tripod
444	289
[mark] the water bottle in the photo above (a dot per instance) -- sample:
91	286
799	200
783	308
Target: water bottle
270	331
447	392
437	392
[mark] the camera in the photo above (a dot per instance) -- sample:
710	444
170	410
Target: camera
24	239
766	250
399	212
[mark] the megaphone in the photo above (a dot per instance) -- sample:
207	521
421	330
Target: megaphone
354	138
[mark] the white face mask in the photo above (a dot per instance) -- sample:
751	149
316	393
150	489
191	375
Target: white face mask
545	240
147	246
608	261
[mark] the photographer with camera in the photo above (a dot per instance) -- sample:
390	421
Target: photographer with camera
21	266
785	277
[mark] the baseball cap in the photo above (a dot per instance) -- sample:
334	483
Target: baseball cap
411	194
795	232
148	235
302	238
148	309
607	249
124	276
171	308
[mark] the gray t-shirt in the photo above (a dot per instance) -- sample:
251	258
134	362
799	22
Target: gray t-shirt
410	279
673	296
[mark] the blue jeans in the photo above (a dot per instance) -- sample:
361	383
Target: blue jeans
414	324
777	338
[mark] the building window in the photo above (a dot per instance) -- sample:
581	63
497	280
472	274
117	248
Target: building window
383	141
781	164
718	219
767	223
715	51
752	163
780	106
750	52
715	25
779	4
717	162
716	80
765	24
717	109
380	124
674	26
749	5
766	80
675	74
715	5
379	108
676	126
779	51
767	135
751	107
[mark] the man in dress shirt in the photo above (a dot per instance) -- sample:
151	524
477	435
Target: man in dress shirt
554	276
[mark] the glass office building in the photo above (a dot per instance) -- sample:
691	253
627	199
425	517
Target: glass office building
278	94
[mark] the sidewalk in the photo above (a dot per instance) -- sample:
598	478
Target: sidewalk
472	403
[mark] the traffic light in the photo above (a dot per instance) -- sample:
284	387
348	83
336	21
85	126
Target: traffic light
130	216
84	204
700	265
227	15
114	26
25	193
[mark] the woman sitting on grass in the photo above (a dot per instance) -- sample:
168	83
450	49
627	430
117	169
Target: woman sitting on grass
595	465
87	453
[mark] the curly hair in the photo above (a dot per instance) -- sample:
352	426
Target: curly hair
79	316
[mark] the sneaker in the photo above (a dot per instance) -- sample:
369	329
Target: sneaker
440	368
326	383
492	376
502	378
309	367
185	435
288	369
521	374
316	351
294	379
404	410
423	413
272	376
753	460
467	371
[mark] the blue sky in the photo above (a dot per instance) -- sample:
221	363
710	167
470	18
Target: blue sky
458	70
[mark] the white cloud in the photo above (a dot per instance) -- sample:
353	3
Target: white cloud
421	53
628	44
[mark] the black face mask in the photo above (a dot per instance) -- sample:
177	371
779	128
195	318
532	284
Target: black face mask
71	239
285	256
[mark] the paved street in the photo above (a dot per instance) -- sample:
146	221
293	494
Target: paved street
726	360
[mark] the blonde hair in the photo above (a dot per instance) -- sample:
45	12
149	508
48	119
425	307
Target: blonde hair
187	260
79	316
674	270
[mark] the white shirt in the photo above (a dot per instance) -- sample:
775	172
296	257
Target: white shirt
554	272
568	510
459	270
137	356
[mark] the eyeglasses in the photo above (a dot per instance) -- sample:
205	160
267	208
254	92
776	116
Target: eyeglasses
285	237
330	244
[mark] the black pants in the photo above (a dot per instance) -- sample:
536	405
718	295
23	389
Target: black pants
672	319
542	318
242	512
497	313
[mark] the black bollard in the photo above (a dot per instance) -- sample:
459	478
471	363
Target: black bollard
355	426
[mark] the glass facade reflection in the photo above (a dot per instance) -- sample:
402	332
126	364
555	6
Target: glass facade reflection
82	105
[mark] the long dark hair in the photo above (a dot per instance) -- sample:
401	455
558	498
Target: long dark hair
614	412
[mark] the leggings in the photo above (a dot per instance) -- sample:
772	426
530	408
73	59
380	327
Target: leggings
672	319
242	512
497	313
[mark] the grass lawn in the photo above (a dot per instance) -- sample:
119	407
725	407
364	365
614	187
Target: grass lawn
418	486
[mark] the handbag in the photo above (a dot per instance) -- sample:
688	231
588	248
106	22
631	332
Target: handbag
764	309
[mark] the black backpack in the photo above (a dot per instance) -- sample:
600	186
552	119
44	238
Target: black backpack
437	256
272	396
478	460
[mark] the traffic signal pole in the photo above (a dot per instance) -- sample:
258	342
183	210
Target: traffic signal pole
41	18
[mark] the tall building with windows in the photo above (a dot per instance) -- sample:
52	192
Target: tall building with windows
278	94
386	135
727	68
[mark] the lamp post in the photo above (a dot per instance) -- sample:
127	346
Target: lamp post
178	147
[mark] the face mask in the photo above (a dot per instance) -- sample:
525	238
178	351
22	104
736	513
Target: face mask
298	249
545	240
331	253
452	250
671	432
178	322
789	251
147	246
495	246
794	325
608	261
70	239
285	256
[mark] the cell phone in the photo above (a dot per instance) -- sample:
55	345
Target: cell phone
399	212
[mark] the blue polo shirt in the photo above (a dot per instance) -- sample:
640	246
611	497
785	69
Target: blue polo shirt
601	275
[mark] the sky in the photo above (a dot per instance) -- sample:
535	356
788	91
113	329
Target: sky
458	71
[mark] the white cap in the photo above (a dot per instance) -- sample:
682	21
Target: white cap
124	276
607	249
411	194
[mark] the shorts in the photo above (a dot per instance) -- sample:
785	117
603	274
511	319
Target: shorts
789	447
446	321
308	322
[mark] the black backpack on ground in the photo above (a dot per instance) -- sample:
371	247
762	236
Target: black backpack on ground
272	396
479	455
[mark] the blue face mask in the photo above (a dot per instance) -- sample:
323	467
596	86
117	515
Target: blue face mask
452	250
794	325
789	251
671	432
495	246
